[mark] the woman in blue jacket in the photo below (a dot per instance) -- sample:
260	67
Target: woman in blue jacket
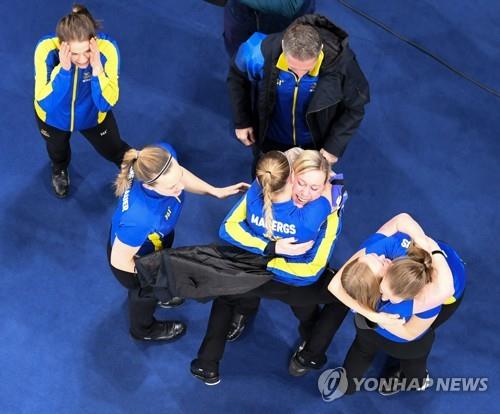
76	85
399	271
151	188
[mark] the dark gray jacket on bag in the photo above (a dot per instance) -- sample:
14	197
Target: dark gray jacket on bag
202	272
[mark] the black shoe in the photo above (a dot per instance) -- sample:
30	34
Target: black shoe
163	331
60	183
237	327
297	367
209	377
396	383
390	385
172	303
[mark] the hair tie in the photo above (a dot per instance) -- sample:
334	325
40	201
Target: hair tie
131	173
137	152
268	172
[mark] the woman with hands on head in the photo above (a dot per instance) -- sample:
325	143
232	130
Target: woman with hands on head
398	273
76	85
151	188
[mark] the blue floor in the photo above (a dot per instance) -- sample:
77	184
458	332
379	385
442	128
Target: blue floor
429	145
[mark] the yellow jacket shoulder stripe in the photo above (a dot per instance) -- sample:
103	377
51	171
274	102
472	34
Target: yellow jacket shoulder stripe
312	265
234	230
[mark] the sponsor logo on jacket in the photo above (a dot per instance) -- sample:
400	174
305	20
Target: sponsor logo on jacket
168	213
278	226
87	76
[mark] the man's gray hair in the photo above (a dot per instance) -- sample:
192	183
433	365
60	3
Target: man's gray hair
302	42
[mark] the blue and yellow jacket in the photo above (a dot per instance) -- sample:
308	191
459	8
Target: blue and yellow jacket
244	227
74	100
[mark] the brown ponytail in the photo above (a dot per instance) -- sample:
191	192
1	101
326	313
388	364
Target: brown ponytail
78	26
361	283
272	172
142	165
408	275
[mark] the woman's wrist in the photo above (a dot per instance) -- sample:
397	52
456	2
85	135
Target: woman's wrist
371	315
213	191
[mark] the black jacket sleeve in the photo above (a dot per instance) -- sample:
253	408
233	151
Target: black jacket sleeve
356	94
240	94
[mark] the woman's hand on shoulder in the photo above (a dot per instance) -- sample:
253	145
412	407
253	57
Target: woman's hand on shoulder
387	319
224	192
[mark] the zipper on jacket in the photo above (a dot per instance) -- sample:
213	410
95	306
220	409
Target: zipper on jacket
294	107
73	99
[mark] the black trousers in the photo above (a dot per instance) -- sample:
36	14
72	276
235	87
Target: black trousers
141	301
445	313
104	137
412	356
322	325
303	301
324	329
213	345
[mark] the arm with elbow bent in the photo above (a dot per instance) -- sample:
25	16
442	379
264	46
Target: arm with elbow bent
104	84
342	131
122	256
404	223
441	288
356	93
236	231
335	287
412	329
247	67
240	91
310	265
52	82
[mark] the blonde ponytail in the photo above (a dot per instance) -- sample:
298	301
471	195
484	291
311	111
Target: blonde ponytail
145	165
124	179
268	205
272	172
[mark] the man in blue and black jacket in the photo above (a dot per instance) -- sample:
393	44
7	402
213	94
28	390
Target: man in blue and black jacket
302	87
